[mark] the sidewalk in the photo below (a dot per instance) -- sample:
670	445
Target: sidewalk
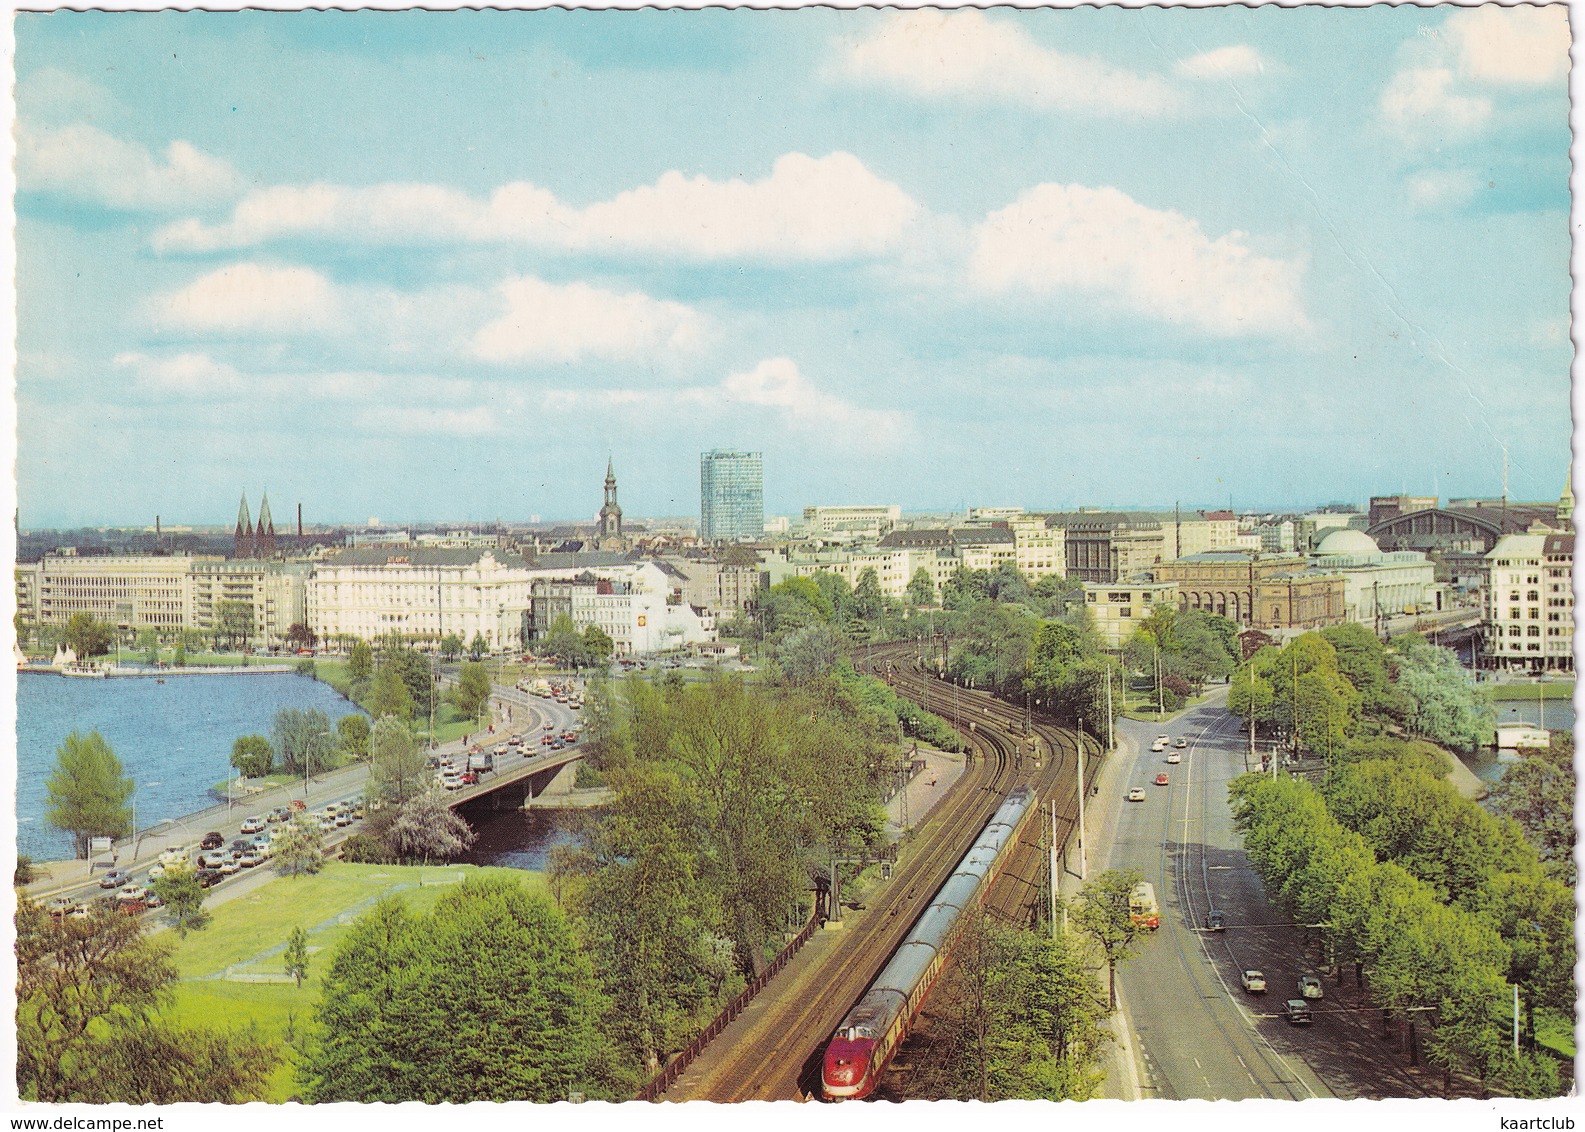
923	791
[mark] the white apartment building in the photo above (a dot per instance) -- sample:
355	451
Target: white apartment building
1038	550
1375	583
423	593
1528	610
873	522
131	592
276	593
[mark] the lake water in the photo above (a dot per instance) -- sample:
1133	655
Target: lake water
174	739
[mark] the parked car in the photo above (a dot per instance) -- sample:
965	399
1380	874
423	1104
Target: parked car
156	872
154	900
253	824
212	840
279	814
1310	987
1137	794
1214	921
208	877
133	894
1298	1012
173	856
1254	982
60	907
228	867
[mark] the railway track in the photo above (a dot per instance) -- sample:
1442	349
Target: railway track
772	1051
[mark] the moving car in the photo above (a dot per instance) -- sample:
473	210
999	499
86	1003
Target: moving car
1137	794
1214	921
253	824
1160	744
60	907
1254	982
115	878
1180	742
214	839
1310	987
1299	1012
1162	779
1174	758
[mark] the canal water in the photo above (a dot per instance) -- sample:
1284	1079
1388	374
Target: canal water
1555	713
518	839
174	739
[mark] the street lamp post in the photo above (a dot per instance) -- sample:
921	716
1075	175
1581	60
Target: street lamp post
136	840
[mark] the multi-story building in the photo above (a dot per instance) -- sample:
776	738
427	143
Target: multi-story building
731	495
1039	549
1528	611
1304	599
640	610
1117	608
131	592
1225	581
421	593
1385	507
274	593
1103	546
872	523
1276	537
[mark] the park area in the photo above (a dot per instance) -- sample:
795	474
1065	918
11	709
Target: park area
233	972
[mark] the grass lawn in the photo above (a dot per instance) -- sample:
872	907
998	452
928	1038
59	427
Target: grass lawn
1146	713
246	936
1532	693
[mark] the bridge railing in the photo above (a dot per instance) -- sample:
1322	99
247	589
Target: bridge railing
674	1068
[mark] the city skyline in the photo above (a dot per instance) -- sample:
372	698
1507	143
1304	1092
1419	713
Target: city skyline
1098	256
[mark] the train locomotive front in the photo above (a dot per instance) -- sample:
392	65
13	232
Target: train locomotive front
876	1025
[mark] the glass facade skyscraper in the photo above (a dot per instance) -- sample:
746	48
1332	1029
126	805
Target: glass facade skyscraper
731	495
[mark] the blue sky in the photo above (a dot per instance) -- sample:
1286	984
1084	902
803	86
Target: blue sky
443	264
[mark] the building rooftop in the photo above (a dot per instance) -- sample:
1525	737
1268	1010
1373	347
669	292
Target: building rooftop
422	556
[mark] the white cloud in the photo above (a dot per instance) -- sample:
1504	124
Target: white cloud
1064	239
85	163
252	298
1234	61
51	94
187	375
1441	188
549	323
1421	98
1520	45
808	208
479	421
774	386
963	54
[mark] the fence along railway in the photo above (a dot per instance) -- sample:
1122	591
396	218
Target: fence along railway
773	1049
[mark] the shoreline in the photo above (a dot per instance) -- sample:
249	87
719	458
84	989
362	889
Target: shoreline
161	673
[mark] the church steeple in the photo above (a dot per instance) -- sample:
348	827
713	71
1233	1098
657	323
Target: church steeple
264	532
242	541
1565	504
611	512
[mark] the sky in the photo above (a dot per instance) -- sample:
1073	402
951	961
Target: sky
415	264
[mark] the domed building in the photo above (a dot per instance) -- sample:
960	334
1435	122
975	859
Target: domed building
1376	583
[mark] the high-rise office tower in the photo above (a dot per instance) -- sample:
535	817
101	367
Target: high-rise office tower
731	495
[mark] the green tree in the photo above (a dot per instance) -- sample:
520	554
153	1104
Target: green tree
1538	793
868	601
88	1027
450	647
300	636
388	695
88	637
179	657
301	851
296	954
233	622
178	886
1101	911
352	734
427	829
252	755
1017	1020
149	643
399	769
597	644
810	653
472	696
1447	707
488	998
87	792
921	588
563	640
360	662
24	873
478	647
302	739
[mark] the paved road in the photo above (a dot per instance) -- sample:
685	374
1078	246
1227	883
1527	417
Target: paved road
1198	1033
528	715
